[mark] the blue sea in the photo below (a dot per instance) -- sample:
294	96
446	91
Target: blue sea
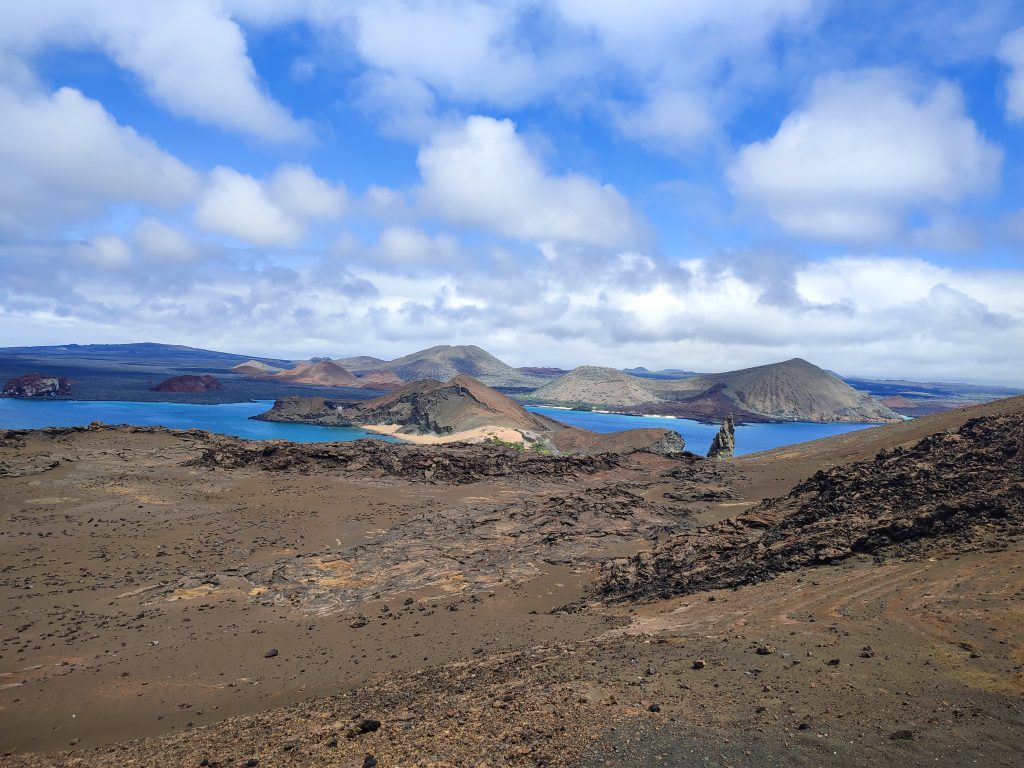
226	418
750	438
233	419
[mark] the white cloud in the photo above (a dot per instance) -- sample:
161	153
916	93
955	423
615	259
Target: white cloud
237	205
1011	53
410	247
304	195
482	174
867	150
683	39
162	243
103	251
190	56
65	158
271	213
463	50
669	120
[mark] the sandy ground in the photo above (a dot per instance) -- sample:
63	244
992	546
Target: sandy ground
477	435
140	599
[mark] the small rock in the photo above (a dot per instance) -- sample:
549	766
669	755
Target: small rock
654	708
699	663
766	649
270	654
904	735
369	761
652	670
363	725
252	762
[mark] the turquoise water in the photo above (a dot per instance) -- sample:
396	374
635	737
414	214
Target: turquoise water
750	438
233	419
227	418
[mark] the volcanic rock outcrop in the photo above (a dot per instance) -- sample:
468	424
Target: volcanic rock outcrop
421	407
666	442
945	489
37	385
466	409
188	384
724	444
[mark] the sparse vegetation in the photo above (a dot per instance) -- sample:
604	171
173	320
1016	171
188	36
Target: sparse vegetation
495	440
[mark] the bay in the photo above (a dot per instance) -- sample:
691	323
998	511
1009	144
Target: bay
750	438
225	418
234	419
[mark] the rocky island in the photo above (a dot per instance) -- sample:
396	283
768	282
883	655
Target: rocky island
37	385
464	410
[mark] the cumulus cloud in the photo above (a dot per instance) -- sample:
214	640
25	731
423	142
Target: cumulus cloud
668	120
867	150
190	56
1011	53
482	174
65	158
160	242
267	213
464	50
103	251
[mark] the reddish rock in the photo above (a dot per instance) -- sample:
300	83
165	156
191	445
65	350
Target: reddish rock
188	384
37	385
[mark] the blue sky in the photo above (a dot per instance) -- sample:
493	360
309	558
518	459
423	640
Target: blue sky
701	185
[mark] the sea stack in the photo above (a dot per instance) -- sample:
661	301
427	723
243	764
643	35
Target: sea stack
724	444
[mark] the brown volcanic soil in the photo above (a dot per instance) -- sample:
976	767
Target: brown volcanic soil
951	484
323	373
221	550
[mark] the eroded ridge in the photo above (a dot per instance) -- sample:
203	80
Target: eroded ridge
951	485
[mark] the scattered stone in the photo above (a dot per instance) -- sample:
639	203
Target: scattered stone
904	734
362	726
699	663
654	708
766	649
270	654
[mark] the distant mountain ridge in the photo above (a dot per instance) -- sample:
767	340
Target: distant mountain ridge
444	362
793	390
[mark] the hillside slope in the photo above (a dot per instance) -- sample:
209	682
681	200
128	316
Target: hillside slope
445	361
791	390
324	373
940	490
794	390
594	385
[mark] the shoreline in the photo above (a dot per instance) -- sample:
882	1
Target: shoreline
478	434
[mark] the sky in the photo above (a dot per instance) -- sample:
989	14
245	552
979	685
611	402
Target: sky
705	185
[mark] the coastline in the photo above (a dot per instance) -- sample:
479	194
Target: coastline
478	434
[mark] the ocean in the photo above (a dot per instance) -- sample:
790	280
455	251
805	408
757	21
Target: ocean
233	419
